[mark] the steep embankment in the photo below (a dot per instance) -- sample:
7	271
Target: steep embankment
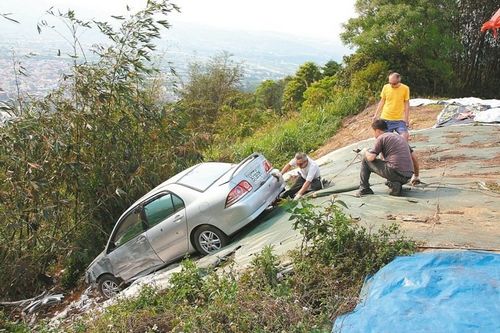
356	128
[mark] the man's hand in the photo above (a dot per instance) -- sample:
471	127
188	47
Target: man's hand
365	153
276	174
415	180
297	197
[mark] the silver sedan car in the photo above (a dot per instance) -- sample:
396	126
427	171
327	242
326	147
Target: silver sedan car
196	210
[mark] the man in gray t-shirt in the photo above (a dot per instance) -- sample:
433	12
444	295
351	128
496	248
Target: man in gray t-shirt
397	166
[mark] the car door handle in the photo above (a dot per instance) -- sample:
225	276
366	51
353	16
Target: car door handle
178	218
141	239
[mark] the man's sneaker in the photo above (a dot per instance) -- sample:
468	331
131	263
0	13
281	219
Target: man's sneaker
364	191
326	183
395	188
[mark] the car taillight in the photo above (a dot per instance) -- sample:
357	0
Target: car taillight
238	192
267	166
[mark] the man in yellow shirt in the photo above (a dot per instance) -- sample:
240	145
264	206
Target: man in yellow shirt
395	106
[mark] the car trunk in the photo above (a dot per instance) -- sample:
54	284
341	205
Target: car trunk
253	170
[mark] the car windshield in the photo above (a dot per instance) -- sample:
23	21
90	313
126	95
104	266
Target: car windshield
204	175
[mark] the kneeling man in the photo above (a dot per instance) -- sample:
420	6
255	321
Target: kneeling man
308	178
396	166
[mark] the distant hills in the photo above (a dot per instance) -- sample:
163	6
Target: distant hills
264	55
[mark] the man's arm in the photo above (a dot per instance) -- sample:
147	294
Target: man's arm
415	180
379	107
407	113
370	156
303	189
285	168
313	171
416	168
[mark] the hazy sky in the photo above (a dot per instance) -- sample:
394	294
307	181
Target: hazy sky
319	19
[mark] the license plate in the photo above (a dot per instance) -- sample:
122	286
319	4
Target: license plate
254	175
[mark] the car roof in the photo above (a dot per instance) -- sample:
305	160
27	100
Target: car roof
198	177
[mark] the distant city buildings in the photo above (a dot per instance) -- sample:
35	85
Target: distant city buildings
263	57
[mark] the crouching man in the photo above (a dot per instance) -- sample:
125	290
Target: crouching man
308	179
397	165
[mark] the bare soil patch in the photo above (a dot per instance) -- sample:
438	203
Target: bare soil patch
356	128
495	161
433	162
420	138
483	175
453	138
479	144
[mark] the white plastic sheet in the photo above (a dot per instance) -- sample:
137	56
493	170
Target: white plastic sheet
488	116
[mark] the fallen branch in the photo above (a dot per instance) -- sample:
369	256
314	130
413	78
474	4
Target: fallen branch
36	303
24	301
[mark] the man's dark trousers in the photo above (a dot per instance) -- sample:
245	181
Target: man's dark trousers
382	169
290	193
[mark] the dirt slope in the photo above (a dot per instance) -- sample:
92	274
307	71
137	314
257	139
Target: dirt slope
356	128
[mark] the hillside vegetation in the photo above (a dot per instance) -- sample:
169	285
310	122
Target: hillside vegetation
74	160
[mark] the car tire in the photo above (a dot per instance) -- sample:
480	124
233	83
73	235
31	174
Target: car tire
108	286
208	239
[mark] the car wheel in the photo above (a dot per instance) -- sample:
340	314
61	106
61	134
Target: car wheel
208	239
108	286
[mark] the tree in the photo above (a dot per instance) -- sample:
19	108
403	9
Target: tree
320	92
371	78
209	87
269	95
478	63
294	89
308	73
414	37
331	68
293	95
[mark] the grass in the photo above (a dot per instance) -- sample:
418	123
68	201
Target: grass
304	131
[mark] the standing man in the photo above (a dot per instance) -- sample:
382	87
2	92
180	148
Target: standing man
309	178
395	106
397	166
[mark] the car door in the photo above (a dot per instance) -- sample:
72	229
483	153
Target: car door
166	219
129	251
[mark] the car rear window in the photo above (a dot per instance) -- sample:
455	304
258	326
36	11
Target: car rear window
204	175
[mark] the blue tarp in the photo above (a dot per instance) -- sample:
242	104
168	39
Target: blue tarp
443	291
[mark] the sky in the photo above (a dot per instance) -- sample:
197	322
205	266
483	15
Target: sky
316	19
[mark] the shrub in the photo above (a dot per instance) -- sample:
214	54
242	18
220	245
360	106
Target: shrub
341	253
320	92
